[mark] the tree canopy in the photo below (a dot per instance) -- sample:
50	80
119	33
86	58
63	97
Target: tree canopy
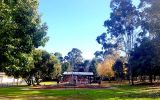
21	31
74	57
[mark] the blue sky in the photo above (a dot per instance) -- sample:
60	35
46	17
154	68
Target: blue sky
74	24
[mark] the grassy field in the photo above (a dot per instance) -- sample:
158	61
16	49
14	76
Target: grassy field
123	92
48	83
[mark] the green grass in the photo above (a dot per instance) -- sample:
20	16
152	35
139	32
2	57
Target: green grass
123	92
48	83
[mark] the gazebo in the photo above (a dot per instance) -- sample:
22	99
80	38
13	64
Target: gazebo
77	77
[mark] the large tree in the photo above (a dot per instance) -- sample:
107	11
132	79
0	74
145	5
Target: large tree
119	69
59	56
150	12
124	28
75	58
46	67
122	24
105	68
145	60
99	56
20	31
93	66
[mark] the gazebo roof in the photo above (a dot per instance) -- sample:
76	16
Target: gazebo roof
78	73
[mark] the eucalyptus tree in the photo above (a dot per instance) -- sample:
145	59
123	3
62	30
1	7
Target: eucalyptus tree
86	64
124	29
99	56
150	11
123	22
93	66
74	57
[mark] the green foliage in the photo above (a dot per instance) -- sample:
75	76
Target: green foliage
144	59
49	65
120	35
92	66
150	14
65	66
99	55
46	67
118	69
20	31
74	57
59	56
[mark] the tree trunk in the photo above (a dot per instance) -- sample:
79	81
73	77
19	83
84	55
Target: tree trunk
154	77
109	80
28	82
129	79
32	82
132	80
17	81
150	79
37	81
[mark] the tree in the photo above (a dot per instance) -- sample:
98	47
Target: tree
51	67
92	67
109	45
46	67
142	60
86	64
20	31
121	28
64	63
65	67
105	69
59	56
56	66
118	69
99	56
36	70
150	13
74	57
122	23
124	28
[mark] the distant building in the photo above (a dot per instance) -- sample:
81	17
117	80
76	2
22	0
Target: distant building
4	79
77	77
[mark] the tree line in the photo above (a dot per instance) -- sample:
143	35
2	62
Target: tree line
133	33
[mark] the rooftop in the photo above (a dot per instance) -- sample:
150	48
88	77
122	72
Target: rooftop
78	73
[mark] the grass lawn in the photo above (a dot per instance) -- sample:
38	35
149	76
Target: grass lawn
48	83
123	92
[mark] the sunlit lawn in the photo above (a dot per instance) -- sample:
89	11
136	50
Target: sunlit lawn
124	92
48	83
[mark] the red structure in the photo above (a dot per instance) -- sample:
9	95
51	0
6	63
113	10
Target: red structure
77	77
